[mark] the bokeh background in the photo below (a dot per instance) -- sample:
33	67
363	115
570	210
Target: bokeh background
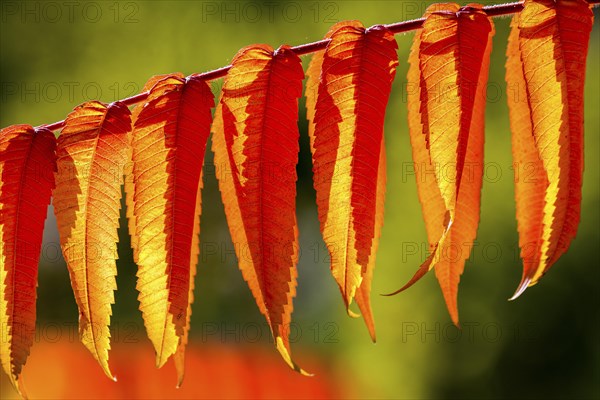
55	55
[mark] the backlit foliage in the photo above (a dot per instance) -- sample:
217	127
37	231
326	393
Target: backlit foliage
157	151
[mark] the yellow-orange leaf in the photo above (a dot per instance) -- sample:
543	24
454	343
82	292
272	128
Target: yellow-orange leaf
347	91
545	72
129	168
91	156
168	145
27	165
255	142
446	100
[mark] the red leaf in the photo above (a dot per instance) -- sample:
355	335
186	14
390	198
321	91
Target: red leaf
347	91
27	165
256	151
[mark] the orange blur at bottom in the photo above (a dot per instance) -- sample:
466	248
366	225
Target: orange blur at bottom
66	370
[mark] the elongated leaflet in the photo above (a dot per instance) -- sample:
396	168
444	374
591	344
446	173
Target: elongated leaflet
27	165
347	91
446	102
546	57
256	151
169	142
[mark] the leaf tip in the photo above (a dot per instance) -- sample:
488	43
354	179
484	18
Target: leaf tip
161	359
178	359
106	370
364	304
455	321
351	313
20	387
281	347
180	376
423	269
450	297
525	283
371	328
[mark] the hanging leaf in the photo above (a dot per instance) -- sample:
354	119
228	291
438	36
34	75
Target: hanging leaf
169	140
91	156
255	142
129	168
446	102
27	165
160	147
545	73
347	91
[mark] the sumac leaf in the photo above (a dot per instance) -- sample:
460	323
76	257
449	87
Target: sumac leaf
168	145
447	78
347	91
27	165
255	140
545	73
91	156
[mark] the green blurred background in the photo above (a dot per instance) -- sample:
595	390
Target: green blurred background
55	55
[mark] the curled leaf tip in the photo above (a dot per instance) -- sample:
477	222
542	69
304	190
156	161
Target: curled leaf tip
110	375
351	313
423	269
107	372
106	369
287	358
522	286
429	262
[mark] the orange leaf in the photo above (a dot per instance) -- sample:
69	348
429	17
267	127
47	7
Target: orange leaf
446	102
347	91
169	141
91	155
255	142
545	73
27	165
